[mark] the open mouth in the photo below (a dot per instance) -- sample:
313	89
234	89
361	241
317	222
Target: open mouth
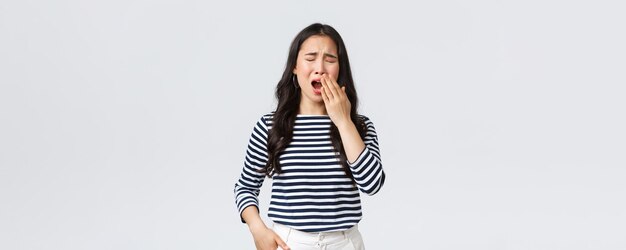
316	84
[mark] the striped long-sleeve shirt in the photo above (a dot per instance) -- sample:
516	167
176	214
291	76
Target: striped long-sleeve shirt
313	193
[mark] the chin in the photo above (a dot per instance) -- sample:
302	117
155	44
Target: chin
317	98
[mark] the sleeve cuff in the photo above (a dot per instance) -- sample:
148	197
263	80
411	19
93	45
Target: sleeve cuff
244	208
359	159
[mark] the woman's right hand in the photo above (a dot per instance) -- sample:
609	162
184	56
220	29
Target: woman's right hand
264	238
267	239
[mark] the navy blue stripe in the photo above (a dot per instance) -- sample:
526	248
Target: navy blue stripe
282	177
333	196
318	157
325	217
313	189
310	203
312	184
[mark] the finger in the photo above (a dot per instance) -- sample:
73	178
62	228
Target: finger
335	83
324	96
334	88
282	244
326	88
341	90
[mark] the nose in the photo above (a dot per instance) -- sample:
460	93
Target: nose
319	67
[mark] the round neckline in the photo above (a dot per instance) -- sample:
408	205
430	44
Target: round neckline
306	115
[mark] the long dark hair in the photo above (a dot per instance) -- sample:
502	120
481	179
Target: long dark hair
281	133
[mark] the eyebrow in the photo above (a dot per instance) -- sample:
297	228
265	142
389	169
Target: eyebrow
315	54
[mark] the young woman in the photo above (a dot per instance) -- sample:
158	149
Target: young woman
318	151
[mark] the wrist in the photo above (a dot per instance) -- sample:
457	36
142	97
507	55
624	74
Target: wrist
346	125
256	226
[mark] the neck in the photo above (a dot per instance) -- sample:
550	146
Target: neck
312	108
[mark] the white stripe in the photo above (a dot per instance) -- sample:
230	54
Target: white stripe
315	206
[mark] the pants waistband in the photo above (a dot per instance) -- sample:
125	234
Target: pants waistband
328	237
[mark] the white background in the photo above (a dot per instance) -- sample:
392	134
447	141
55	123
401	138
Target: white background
123	124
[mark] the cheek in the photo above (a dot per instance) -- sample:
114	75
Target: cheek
335	74
333	71
299	67
303	67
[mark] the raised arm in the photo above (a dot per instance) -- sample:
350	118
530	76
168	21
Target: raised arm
363	156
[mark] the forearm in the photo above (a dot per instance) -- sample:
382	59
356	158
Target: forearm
363	157
352	142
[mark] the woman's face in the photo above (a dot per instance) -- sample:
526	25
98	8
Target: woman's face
317	56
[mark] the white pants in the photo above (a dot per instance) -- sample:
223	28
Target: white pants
298	240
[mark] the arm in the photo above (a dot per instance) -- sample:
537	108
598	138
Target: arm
249	183
363	156
352	142
248	187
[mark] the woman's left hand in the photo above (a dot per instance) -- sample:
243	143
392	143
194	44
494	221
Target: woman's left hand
336	101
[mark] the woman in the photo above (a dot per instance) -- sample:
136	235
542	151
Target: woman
318	151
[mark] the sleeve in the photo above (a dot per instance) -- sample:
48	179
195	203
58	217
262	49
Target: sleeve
367	169
248	185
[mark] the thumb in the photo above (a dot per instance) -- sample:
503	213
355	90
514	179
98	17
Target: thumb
282	244
343	88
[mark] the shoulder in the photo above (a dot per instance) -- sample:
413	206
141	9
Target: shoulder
268	116
366	126
266	119
365	120
363	117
